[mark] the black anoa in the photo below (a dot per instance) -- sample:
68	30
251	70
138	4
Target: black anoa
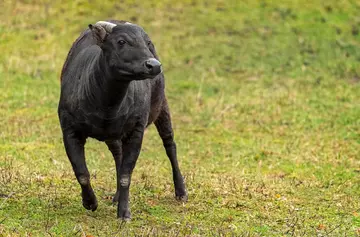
112	88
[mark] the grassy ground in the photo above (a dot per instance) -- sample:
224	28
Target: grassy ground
265	104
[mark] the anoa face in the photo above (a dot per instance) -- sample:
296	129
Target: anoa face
130	53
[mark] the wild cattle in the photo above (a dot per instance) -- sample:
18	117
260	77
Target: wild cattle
112	88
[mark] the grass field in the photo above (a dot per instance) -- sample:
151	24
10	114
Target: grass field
265	100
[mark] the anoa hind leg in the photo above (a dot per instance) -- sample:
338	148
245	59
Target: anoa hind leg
115	148
164	127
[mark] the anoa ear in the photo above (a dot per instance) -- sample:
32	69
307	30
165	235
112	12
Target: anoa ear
98	32
101	29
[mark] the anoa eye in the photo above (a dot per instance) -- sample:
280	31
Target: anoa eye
121	42
149	43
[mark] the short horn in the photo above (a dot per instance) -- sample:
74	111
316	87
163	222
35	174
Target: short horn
108	26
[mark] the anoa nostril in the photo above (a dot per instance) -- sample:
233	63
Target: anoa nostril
148	65
153	65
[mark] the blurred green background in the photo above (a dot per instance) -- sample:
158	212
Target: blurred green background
265	103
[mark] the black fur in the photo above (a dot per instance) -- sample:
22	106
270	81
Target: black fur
108	93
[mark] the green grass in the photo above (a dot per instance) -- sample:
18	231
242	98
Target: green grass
266	110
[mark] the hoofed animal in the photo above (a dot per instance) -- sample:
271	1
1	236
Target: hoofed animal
112	88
